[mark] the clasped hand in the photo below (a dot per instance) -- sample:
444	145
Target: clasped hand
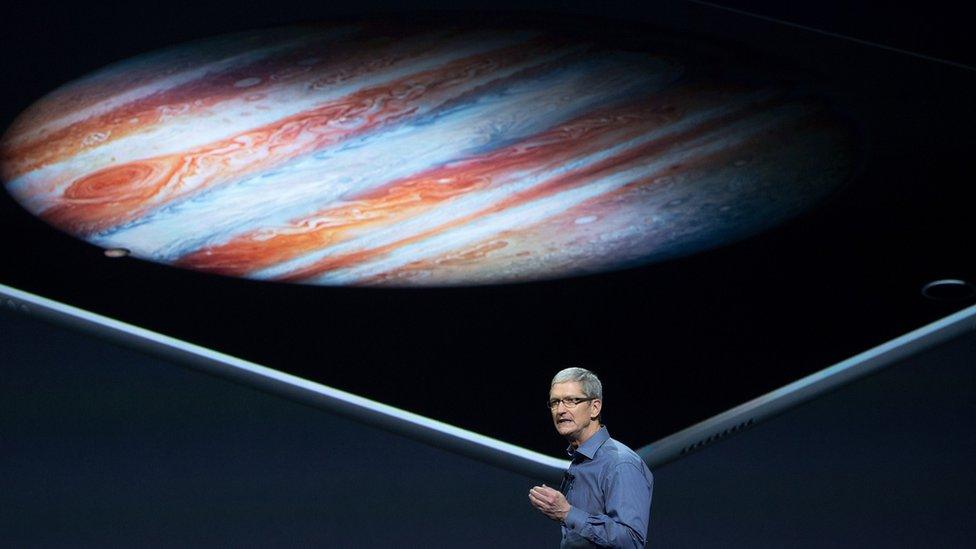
551	503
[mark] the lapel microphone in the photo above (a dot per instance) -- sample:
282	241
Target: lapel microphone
567	482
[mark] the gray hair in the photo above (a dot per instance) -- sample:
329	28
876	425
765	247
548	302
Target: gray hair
588	381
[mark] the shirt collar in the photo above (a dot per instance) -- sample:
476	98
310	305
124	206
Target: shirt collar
591	445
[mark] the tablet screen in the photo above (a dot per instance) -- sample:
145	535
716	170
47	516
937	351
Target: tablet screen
440	211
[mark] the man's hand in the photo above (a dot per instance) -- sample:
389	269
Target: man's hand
550	502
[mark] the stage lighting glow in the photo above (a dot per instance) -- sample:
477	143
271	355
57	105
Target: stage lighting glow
420	155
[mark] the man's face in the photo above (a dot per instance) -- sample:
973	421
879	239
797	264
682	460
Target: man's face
572	422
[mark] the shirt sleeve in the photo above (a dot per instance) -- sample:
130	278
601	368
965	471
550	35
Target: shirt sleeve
628	508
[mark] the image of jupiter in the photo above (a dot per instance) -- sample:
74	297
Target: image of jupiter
407	155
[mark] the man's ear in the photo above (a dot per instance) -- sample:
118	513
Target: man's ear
596	406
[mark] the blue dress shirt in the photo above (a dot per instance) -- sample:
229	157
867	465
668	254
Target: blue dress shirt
609	487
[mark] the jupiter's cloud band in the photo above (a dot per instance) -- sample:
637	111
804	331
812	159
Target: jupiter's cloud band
371	155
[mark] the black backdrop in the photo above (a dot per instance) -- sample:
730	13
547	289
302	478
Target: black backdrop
96	448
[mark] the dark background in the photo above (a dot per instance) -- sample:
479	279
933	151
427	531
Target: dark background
104	445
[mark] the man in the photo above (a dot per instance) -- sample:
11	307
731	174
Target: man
605	497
